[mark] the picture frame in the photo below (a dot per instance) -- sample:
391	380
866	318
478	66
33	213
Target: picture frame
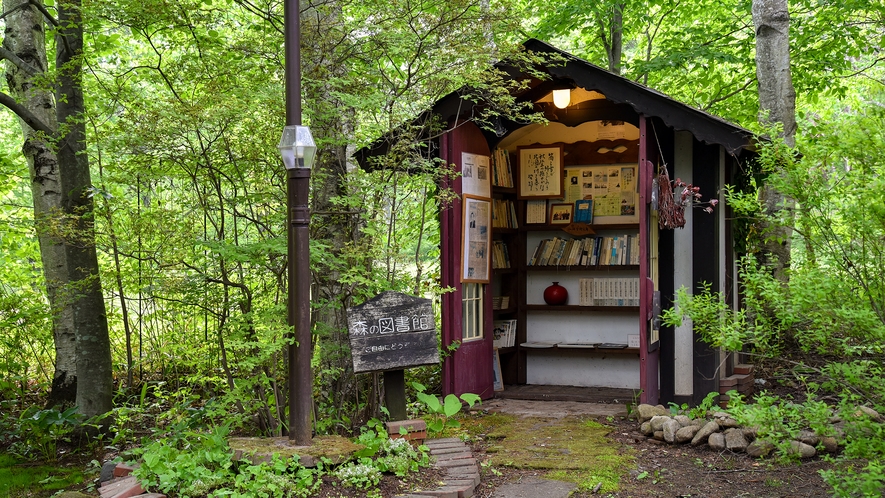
584	211
540	172
561	214
476	242
476	177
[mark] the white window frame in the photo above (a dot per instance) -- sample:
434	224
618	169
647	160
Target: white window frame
472	311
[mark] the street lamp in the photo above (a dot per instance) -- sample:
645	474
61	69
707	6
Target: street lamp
298	151
297	147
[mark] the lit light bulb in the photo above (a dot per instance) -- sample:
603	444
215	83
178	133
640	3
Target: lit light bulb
562	98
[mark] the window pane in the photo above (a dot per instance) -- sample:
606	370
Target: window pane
471	308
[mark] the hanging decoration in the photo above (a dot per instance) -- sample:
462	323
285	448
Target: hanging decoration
672	205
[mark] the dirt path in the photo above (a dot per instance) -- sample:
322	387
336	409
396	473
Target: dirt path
658	469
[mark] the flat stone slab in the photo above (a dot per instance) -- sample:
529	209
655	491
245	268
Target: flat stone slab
443	440
533	487
460	463
451	449
444	446
453	456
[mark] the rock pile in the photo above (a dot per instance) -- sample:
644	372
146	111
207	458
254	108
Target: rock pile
720	431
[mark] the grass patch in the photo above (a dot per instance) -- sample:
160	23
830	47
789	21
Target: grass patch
17	479
572	449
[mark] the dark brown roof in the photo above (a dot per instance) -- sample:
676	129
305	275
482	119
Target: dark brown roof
625	100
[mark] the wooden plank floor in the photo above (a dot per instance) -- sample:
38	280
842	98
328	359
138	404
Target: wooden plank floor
569	393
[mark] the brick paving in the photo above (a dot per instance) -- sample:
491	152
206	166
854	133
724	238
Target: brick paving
461	470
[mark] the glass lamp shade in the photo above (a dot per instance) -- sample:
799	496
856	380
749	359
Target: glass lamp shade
297	147
562	98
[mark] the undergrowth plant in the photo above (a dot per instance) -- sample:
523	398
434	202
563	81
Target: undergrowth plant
196	463
193	464
39	432
440	414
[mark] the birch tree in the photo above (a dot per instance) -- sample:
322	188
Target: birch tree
50	112
777	105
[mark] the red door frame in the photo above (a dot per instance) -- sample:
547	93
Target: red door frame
648	360
469	367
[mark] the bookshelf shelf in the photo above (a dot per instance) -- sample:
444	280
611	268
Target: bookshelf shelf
583	268
582	349
575	307
544	227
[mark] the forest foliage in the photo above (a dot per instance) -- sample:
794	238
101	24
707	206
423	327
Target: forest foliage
184	108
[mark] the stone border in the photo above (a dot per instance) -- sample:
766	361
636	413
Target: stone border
461	470
720	431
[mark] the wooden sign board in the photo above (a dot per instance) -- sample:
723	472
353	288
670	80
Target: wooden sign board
392	331
578	229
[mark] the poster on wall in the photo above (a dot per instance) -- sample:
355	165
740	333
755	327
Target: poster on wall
540	172
475	175
612	188
477	240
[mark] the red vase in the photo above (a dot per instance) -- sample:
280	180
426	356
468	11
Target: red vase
555	295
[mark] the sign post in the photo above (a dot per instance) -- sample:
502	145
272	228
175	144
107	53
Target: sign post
389	333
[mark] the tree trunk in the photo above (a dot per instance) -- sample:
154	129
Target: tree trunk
611	32
63	207
617	38
26	39
777	104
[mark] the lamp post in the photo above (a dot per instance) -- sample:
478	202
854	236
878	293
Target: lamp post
298	151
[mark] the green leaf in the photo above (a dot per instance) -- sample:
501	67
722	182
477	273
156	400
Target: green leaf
431	401
435	425
471	399
453	405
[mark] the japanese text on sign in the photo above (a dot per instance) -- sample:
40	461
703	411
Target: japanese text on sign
390	325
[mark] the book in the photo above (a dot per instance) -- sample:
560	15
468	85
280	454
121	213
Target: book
536	211
545	258
583	211
538	250
500	332
502	174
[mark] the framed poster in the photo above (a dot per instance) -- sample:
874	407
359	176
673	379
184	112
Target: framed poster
475	177
561	214
612	189
540	172
476	257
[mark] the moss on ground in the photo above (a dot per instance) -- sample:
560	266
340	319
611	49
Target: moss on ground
572	449
25	479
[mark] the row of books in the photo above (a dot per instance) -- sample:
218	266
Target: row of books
590	251
502	173
609	291
504	213
500	256
500	302
505	333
